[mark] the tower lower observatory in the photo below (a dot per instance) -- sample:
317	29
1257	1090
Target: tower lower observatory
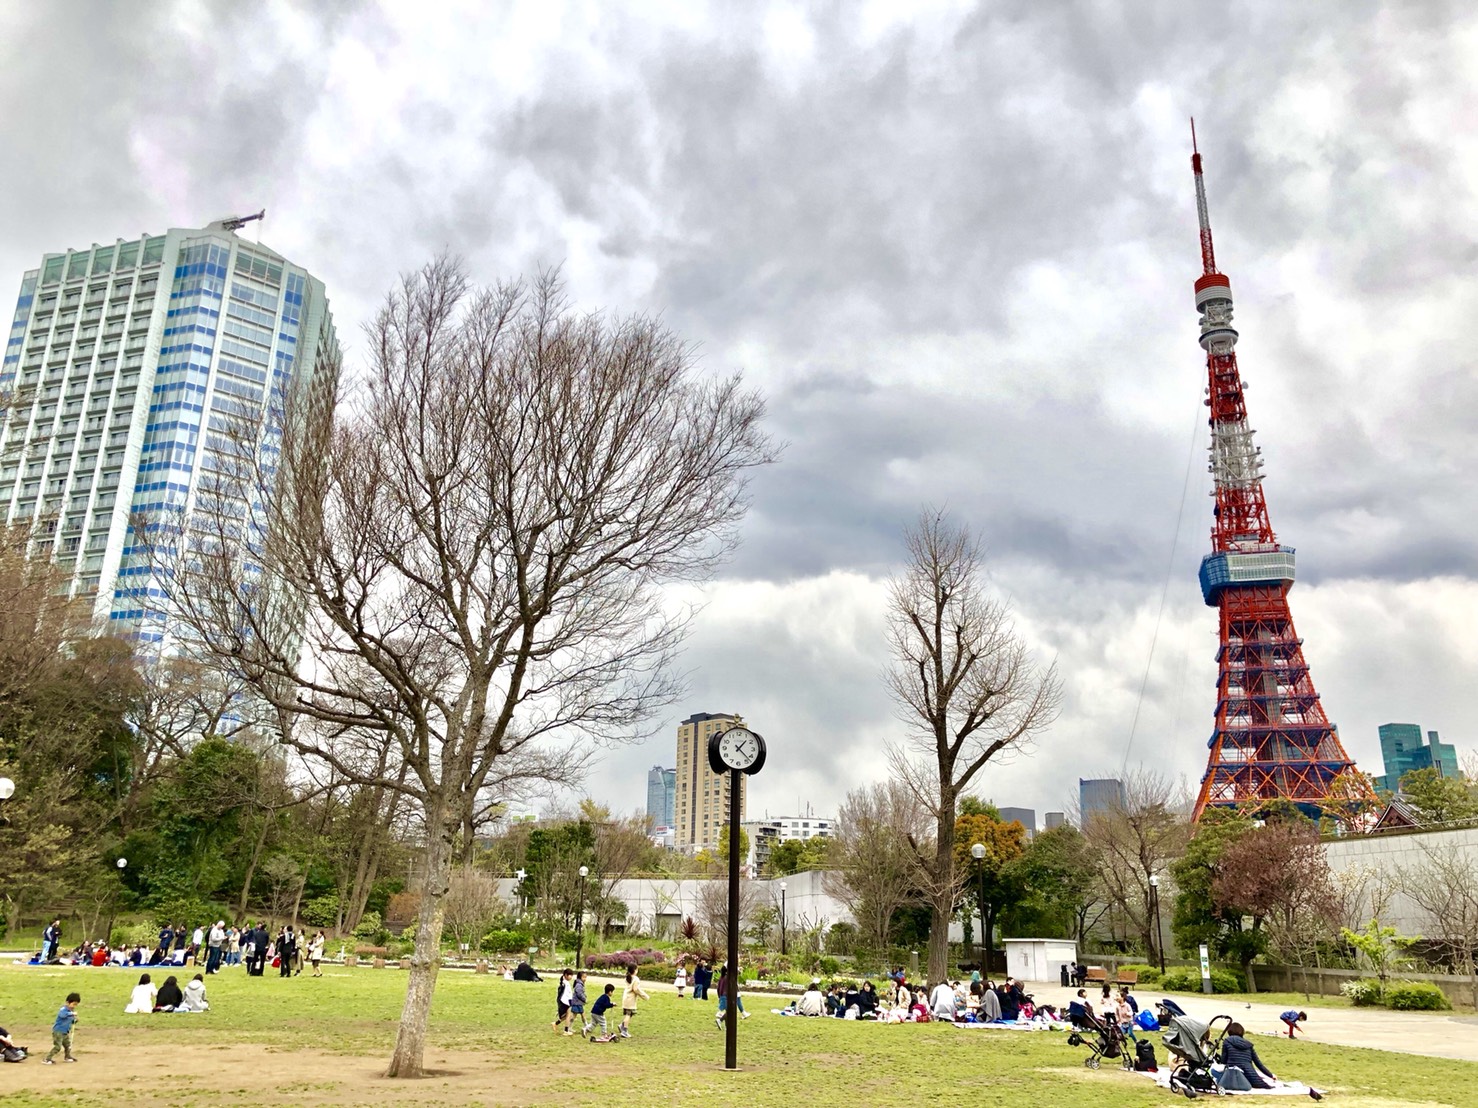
1272	740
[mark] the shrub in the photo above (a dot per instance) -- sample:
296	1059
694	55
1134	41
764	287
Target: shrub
506	941
1148	975
321	911
1417	996
1189	981
189	912
369	926
134	934
1363	992
829	966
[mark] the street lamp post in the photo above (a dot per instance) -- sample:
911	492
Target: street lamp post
1155	900
580	919
978	853
782	917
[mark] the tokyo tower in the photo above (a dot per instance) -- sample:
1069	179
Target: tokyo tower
1272	739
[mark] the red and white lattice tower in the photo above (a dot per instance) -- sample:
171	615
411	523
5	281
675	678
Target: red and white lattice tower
1272	739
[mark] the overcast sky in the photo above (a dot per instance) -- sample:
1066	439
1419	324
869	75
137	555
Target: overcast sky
954	244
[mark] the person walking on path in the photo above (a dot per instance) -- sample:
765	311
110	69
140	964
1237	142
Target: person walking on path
629	997
61	1030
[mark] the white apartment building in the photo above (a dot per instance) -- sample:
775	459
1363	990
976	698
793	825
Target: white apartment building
124	366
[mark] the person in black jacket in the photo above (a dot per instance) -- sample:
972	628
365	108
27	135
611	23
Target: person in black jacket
702	979
169	997
1237	1051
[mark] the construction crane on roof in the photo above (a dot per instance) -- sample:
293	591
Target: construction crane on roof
236	222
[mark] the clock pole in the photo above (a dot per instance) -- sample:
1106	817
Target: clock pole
731	1024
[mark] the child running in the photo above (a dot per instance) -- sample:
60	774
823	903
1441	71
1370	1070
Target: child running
61	1030
603	1004
563	992
629	997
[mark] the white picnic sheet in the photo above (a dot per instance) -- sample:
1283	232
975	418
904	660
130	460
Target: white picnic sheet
1280	1088
1011	1025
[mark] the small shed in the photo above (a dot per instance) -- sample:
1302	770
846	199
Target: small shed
1039	959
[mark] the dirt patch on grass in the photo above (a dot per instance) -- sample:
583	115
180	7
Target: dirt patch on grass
112	1069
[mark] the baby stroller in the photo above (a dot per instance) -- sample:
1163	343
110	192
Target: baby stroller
1105	1039
1190	1043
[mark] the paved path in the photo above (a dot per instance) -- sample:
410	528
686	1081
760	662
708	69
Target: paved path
1435	1034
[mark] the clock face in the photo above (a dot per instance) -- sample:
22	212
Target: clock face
739	747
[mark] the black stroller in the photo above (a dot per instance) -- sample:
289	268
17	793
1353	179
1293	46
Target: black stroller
1105	1039
1193	1046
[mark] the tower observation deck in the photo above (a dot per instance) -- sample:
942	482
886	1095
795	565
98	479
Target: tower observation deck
1272	739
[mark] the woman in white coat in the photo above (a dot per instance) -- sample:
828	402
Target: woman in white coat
195	996
142	1000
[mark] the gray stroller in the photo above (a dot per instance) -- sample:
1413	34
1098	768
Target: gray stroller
1194	1045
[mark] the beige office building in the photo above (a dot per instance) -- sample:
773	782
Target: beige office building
701	806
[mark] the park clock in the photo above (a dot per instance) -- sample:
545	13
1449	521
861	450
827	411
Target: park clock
736	750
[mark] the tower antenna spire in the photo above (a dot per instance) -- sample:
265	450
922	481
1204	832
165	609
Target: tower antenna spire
1208	252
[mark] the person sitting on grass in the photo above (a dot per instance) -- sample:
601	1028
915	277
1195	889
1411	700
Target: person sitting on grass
142	999
1238	1053
194	996
812	1002
170	997
942	1002
1080	1009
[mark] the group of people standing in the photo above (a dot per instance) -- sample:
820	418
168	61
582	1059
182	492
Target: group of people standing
288	951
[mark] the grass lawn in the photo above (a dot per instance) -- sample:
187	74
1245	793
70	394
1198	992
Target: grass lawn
302	1041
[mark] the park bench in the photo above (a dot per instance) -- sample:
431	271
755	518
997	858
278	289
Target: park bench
1097	975
1126	977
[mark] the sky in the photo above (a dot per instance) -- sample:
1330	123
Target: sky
954	246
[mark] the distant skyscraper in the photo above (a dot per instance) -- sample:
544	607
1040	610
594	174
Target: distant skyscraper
661	795
1099	795
129	366
1027	817
1402	751
1054	820
702	797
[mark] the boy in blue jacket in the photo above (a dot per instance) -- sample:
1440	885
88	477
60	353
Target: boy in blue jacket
61	1030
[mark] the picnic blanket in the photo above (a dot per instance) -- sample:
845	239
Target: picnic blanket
1280	1088
1012	1025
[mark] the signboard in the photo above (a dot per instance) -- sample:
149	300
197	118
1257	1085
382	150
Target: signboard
1205	969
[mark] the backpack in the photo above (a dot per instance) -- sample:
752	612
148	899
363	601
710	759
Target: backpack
1144	1057
14	1054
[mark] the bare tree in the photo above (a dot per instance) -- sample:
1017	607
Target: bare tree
966	687
713	908
1445	887
874	855
1134	841
472	554
471	903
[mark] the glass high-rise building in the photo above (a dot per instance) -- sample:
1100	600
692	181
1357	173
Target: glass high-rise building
1102	794
131	371
661	797
1402	751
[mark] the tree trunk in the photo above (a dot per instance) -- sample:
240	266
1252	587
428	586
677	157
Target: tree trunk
415	1016
251	869
942	907
1247	973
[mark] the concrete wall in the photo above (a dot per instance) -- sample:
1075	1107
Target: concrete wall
651	902
1375	865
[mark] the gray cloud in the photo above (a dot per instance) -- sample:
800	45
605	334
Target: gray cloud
955	251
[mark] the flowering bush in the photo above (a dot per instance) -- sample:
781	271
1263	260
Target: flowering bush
625	959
